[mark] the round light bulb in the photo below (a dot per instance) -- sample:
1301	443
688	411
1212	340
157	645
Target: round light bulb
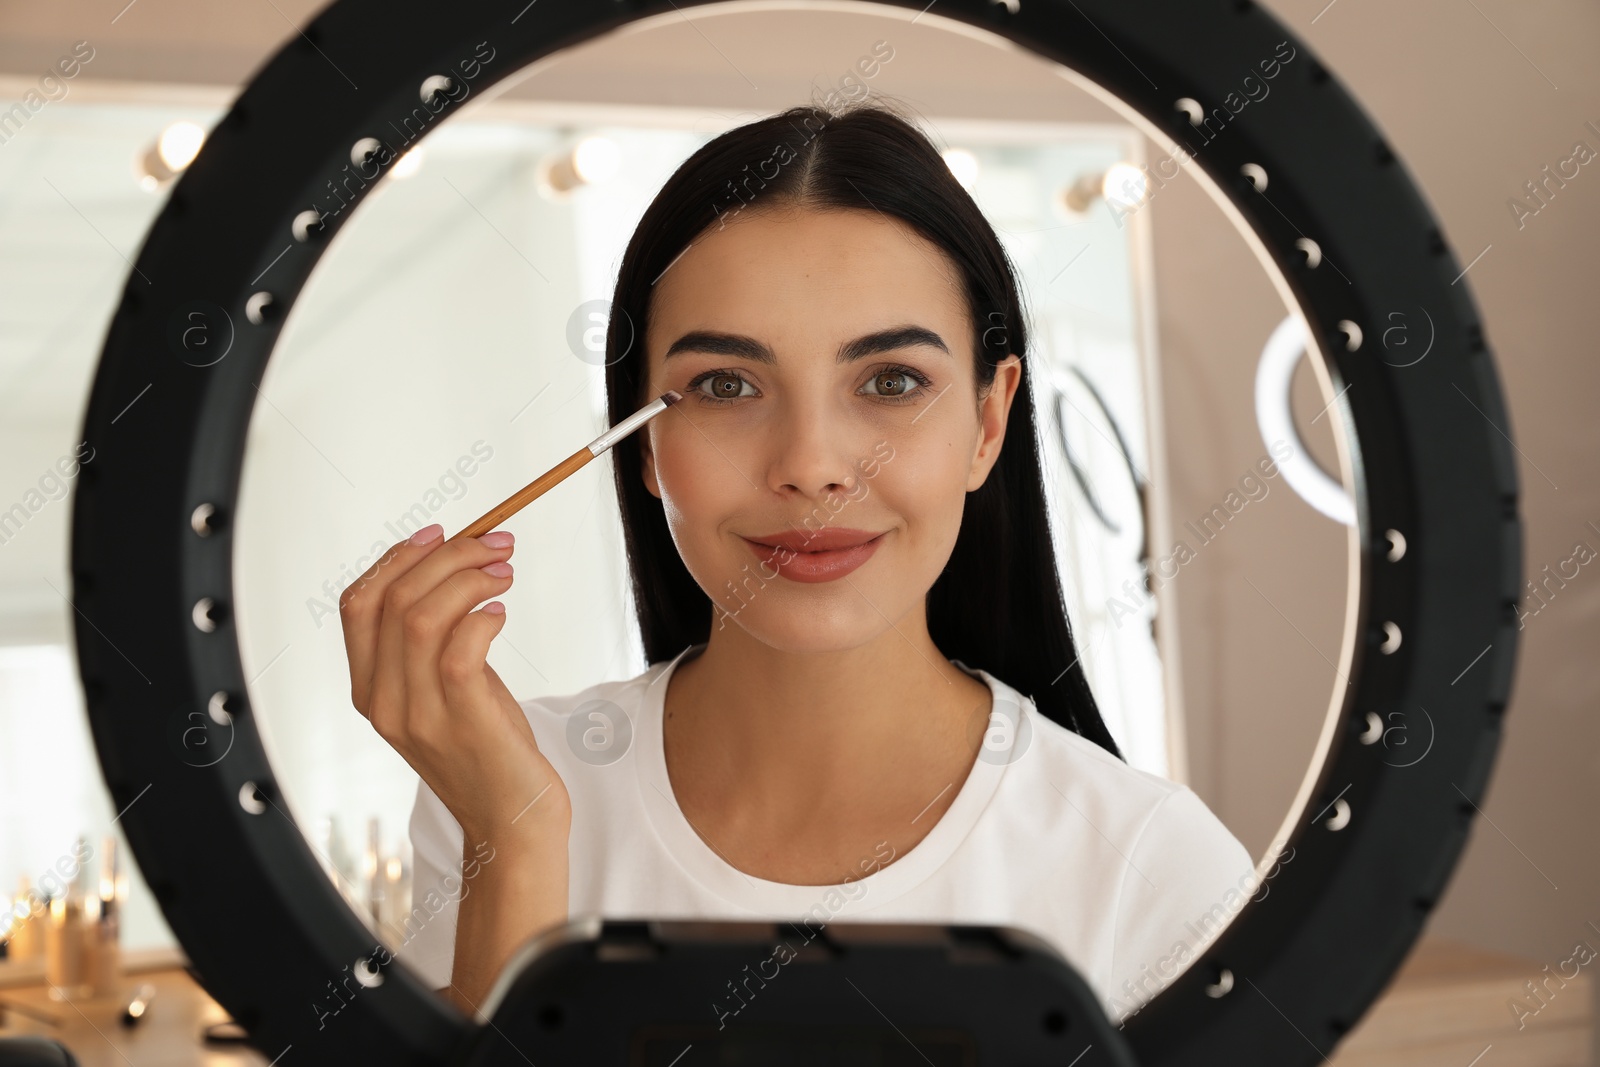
963	164
179	144
596	159
1125	185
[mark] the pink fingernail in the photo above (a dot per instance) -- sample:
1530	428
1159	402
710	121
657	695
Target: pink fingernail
498	539
426	534
497	570
494	607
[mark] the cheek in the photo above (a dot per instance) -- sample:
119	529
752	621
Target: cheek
689	466
698	487
923	487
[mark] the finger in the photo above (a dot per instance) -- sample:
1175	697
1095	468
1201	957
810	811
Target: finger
463	663
361	607
421	566
428	627
468	679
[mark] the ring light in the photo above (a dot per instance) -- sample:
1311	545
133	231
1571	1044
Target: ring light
1117	440
1274	377
1345	234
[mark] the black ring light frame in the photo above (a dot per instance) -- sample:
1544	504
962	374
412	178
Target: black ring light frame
152	548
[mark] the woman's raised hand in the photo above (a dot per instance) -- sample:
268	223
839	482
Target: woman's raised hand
419	673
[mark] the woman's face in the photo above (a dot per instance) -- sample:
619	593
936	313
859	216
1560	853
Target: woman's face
825	361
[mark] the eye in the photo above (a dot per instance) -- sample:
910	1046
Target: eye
898	382
894	383
724	386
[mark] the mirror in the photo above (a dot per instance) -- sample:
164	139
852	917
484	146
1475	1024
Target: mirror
448	350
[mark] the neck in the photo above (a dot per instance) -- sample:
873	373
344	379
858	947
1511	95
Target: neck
768	728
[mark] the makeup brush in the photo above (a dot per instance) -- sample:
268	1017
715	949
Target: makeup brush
561	471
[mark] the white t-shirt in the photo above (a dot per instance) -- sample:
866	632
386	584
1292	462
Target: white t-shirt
1125	873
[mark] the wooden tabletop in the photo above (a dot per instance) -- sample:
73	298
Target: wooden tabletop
1452	1005
168	1033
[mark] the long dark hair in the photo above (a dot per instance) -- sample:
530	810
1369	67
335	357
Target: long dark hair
998	604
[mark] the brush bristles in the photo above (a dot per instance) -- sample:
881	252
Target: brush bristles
671	396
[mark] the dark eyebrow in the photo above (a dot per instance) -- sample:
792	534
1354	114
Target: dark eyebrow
732	344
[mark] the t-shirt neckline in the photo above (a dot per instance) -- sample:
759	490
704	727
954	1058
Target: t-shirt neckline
777	899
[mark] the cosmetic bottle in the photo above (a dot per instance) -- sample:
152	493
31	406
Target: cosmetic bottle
396	891
63	945
26	942
102	941
372	875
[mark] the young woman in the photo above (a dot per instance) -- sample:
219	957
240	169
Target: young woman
863	699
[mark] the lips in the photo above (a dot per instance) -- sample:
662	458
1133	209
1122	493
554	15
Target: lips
821	556
827	539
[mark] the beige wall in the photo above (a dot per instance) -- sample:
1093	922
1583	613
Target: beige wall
1473	116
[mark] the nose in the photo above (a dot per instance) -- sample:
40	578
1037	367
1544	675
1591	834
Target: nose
814	449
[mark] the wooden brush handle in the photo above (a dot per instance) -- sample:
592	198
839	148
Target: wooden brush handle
528	494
